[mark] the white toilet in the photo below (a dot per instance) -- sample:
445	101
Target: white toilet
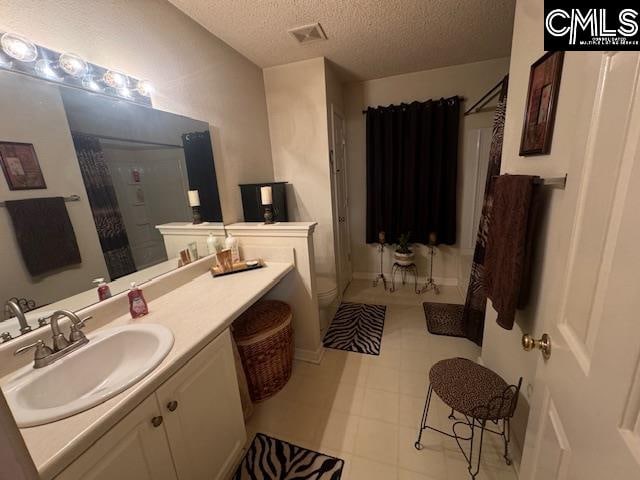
327	295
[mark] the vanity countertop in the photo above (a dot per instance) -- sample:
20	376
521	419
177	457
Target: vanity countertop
196	312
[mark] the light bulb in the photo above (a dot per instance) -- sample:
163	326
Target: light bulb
115	80
18	47
90	82
45	69
73	64
145	88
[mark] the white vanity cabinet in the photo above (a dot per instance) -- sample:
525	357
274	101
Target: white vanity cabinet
191	428
133	449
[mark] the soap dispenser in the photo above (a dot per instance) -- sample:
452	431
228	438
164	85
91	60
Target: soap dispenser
212	243
137	304
104	291
231	243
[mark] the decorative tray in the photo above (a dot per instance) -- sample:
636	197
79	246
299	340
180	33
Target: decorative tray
216	271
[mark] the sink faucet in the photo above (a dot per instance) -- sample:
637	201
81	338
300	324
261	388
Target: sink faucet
62	346
14	309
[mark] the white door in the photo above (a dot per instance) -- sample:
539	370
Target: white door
340	198
203	414
585	418
135	449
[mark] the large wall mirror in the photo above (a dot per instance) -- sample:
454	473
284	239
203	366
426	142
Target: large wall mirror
121	169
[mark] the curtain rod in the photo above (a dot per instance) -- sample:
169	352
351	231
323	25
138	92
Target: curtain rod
486	98
119	139
462	99
71	198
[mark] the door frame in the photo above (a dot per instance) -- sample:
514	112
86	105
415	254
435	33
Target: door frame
343	279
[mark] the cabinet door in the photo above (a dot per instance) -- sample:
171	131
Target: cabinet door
134	449
203	414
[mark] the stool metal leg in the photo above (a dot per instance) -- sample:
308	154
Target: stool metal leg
506	434
473	471
425	414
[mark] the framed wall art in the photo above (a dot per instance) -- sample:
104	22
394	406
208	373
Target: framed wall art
542	97
20	166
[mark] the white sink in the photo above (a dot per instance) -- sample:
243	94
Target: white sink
112	361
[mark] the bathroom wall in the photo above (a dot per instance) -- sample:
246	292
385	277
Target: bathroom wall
470	81
194	72
36	115
298	125
502	349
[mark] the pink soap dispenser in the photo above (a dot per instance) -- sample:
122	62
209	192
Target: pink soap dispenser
137	304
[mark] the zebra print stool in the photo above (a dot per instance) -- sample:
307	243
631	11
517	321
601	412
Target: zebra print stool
480	395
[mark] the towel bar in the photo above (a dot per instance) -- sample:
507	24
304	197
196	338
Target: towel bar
554	182
72	198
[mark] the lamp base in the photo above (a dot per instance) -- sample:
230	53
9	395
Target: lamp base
197	218
268	214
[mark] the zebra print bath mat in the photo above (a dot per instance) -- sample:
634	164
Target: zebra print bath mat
272	459
357	327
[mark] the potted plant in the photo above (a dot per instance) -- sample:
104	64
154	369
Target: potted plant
403	254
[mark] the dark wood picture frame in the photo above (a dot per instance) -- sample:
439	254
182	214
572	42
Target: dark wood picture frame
542	98
20	166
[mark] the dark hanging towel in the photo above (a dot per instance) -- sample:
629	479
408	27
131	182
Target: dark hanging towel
44	234
476	301
412	163
510	243
201	170
104	206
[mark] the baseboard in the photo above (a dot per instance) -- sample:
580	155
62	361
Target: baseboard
309	356
443	281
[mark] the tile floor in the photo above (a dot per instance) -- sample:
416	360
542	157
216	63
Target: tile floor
366	409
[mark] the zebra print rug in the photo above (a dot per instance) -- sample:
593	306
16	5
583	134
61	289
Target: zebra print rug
272	459
356	327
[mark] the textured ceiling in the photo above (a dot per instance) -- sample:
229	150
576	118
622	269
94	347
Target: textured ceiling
366	38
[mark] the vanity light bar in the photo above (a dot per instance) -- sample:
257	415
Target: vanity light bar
21	55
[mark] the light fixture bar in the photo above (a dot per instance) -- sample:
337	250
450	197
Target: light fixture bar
18	54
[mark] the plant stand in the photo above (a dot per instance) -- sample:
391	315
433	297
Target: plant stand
431	284
404	270
380	276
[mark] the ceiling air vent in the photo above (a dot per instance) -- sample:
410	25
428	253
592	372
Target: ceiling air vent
308	33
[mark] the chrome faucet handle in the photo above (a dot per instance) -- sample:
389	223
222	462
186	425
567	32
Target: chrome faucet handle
76	334
5	336
42	350
81	324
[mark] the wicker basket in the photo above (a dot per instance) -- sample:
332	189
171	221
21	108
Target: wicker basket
265	342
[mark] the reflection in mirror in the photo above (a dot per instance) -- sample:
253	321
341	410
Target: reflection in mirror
131	167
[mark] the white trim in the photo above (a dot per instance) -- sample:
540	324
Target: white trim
309	356
441	281
279	229
186	228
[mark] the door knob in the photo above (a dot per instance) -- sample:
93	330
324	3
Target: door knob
157	421
544	344
172	405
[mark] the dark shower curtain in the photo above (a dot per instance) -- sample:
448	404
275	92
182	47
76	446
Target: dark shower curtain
476	301
412	162
104	206
201	170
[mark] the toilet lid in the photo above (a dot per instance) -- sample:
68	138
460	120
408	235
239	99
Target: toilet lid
326	286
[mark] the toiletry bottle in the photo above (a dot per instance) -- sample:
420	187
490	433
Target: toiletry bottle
231	243
211	244
137	303
104	291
